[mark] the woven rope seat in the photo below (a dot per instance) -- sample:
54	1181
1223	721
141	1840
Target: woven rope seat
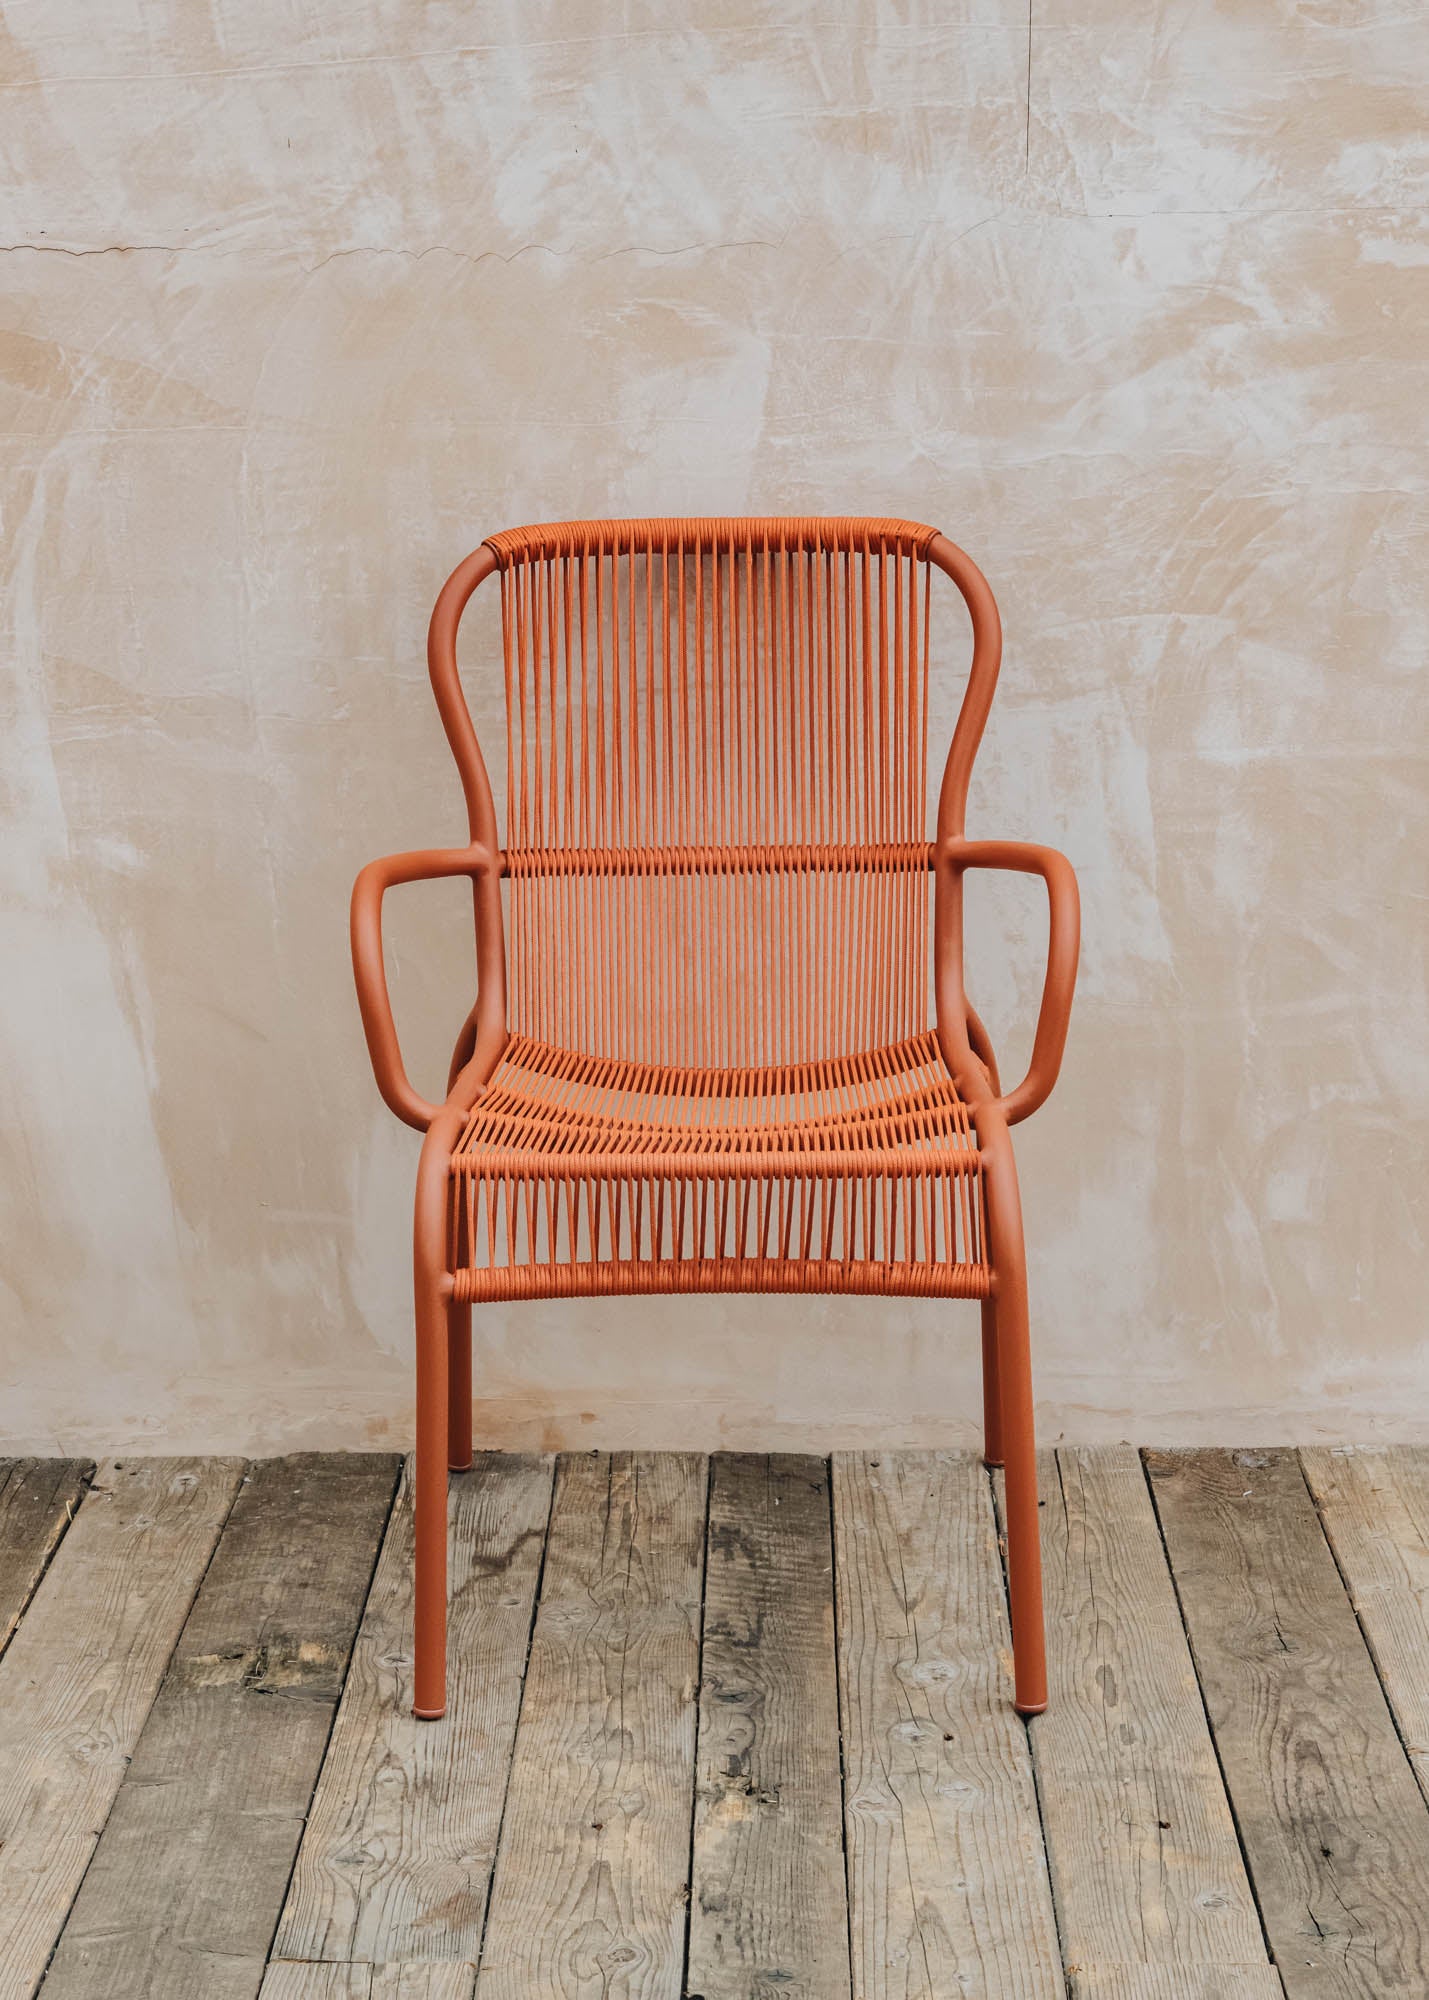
576	1175
720	1039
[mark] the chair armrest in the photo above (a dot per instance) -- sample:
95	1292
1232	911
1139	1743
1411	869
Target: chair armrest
370	973
1064	937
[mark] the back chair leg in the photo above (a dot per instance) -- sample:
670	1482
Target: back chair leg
1019	1443
991	1387
458	1387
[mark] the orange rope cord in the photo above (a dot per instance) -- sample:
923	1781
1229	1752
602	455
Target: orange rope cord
719	1073
614	855
555	1132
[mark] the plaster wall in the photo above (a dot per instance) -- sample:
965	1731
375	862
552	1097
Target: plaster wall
297	303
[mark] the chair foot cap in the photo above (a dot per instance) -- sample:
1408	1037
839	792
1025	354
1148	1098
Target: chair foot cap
452	1465
1030	1707
993	1464
429	1714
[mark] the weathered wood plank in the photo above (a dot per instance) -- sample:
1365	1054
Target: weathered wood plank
396	1862
947	1878
425	1980
768	1907
1146	1867
80	1675
591	1883
38	1498
1167	1982
1334	1827
1375	1508
190	1872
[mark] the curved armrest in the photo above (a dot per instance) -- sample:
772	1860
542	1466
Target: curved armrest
428	865
1063	943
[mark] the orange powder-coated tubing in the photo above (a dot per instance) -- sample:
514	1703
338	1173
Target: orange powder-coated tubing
720	1038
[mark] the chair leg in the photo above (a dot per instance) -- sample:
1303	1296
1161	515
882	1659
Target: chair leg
458	1386
1014	1357
429	1503
991	1387
429	1696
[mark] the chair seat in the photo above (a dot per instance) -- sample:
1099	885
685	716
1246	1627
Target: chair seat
577	1175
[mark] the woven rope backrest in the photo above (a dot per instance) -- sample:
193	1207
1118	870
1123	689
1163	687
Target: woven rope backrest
716	787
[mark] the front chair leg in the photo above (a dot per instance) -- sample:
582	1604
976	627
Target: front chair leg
458	1386
429	1509
1019	1444
429	1500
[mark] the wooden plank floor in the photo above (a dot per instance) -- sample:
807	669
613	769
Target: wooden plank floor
717	1730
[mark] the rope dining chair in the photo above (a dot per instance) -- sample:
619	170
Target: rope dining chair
720	1040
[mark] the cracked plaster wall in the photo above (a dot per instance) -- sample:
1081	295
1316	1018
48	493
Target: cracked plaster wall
299	302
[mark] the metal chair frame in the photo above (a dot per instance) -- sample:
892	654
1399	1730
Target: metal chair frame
702	786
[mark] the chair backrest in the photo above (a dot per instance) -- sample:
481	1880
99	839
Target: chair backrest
717	838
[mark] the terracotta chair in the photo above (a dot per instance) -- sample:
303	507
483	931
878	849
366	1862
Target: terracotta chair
700	1056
